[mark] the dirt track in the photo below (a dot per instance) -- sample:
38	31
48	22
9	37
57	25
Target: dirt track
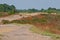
20	32
16	17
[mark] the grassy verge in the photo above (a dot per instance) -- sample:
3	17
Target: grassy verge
46	33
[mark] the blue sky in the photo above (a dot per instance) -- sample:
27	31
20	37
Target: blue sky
38	4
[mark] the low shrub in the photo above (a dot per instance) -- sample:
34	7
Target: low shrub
5	21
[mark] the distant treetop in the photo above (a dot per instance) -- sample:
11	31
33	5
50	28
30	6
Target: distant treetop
11	9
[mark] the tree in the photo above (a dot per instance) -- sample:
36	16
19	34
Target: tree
7	8
12	9
32	10
51	8
42	10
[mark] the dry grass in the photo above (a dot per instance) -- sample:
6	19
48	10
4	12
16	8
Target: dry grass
46	33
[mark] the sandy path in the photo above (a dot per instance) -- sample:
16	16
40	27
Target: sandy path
20	32
17	16
11	17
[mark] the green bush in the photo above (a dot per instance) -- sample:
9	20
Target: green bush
18	21
5	21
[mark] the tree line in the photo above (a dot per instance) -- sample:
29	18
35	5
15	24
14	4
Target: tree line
11	9
49	10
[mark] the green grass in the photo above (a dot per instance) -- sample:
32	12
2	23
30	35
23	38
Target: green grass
46	33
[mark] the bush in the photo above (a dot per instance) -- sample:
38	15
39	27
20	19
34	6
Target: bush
5	21
18	21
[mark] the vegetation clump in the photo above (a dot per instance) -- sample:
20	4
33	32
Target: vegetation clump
5	22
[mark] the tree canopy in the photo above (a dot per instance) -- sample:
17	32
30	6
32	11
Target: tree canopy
7	8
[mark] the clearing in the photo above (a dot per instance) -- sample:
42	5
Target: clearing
20	32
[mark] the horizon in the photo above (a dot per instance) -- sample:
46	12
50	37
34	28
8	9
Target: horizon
28	4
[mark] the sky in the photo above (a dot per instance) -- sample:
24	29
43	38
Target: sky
37	4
